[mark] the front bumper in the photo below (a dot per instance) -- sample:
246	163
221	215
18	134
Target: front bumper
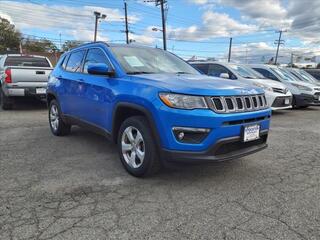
224	149
303	100
224	128
316	99
281	103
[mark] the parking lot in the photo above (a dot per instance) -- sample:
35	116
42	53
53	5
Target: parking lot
74	187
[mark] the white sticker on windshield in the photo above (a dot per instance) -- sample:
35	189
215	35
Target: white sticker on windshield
133	61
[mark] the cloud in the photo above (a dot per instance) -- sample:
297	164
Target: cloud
143	39
262	52
267	13
300	18
213	25
306	20
75	21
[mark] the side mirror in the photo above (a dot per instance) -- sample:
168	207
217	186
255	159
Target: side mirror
225	75
99	69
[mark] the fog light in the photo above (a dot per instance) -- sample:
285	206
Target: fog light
190	135
181	135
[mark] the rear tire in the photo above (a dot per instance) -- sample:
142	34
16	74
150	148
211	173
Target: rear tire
136	147
6	102
57	125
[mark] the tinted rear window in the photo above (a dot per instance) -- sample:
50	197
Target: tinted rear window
25	61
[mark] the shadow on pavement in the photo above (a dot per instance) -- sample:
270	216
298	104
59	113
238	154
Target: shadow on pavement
29	104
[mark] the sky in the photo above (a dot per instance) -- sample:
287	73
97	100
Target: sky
200	28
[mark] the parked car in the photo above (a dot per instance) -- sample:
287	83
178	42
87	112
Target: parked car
315	72
277	94
304	94
303	76
156	107
22	76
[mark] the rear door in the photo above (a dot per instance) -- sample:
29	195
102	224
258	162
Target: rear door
98	92
72	81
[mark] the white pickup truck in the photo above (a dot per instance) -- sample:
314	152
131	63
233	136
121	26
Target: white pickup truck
22	76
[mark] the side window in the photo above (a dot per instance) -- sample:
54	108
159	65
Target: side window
74	62
203	68
216	70
266	73
64	61
95	55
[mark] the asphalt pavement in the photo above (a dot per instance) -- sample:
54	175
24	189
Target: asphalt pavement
74	187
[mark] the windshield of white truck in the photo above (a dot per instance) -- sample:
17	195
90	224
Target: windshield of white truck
136	60
26	61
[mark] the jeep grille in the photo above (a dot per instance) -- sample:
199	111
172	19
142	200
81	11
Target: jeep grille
239	103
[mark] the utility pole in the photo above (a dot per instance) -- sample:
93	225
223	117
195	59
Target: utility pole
230	46
278	42
60	42
163	30
98	16
126	20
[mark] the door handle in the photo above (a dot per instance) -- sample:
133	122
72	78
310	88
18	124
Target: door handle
81	80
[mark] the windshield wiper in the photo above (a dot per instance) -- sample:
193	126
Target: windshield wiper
139	72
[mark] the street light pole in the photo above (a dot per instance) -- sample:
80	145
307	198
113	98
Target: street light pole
230	46
98	16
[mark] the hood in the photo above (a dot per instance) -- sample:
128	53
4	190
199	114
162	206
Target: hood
269	83
306	84
198	84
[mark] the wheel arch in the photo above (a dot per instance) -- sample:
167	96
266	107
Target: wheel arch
125	110
50	97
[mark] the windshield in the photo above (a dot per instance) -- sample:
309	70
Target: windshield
136	60
284	75
305	76
244	72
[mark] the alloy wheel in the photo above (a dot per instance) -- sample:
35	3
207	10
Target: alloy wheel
54	117
133	147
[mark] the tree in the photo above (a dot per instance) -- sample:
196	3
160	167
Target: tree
9	37
70	44
35	45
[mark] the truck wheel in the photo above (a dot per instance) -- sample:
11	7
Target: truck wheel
137	150
57	125
6	103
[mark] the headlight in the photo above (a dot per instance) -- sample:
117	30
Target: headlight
303	88
264	87
183	101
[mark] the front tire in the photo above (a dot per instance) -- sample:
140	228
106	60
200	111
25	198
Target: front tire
6	103
57	125
136	146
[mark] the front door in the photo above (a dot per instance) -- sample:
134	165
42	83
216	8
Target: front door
98	92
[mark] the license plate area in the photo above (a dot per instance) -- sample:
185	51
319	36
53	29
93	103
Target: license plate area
251	132
41	91
286	101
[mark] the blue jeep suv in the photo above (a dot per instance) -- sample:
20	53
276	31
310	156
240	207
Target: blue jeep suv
155	106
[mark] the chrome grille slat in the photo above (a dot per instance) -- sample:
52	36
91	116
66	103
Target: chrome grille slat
230	104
